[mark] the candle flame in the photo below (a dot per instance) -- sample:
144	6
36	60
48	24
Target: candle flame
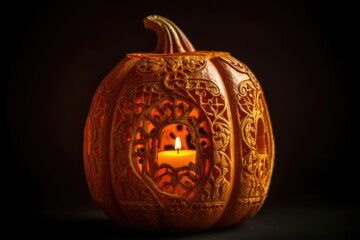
177	143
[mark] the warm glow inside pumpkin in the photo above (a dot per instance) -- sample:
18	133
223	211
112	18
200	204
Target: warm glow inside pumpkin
178	139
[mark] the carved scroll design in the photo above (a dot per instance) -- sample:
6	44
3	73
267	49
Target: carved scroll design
172	79
128	112
213	104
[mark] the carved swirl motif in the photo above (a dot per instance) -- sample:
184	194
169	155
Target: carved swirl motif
173	71
137	129
151	65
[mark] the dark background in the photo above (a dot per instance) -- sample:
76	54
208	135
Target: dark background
56	54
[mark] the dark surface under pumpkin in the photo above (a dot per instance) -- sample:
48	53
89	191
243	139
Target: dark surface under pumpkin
280	222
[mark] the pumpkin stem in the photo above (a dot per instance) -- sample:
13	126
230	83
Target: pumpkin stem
170	39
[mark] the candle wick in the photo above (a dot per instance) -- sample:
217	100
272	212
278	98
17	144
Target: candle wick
178	150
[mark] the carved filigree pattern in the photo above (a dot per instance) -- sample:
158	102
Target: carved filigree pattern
256	155
129	110
173	97
94	137
176	207
95	122
256	158
94	126
173	71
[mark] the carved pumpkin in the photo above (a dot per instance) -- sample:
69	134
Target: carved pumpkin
216	107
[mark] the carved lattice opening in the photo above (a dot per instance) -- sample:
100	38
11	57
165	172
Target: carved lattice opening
175	171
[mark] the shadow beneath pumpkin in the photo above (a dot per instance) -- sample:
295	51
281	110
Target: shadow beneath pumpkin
290	222
43	228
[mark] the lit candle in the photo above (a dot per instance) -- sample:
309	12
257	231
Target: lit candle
177	158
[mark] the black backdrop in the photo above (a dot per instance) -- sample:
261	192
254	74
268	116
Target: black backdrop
56	54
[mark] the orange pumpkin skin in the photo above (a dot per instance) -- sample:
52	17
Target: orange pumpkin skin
221	104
